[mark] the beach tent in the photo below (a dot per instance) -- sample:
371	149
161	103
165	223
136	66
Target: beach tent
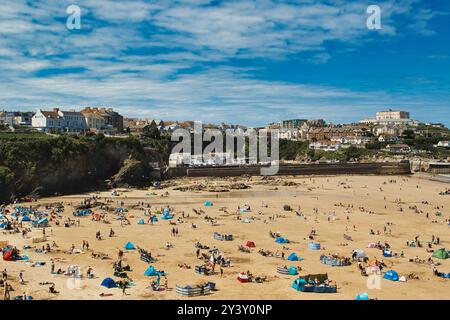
362	296
7	255
293	257
3	224
300	282
391	275
166	217
153	219
242	277
26	219
166	212
250	244
141	221
293	271
151	271
314	246
281	240
207	203
109	283
387	253
360	254
441	254
43	222
129	246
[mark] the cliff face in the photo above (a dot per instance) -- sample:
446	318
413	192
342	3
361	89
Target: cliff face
69	164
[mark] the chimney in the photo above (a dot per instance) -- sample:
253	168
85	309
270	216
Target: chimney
56	110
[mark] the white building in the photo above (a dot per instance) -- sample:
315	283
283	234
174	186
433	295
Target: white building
47	120
57	120
325	145
444	144
73	121
392	115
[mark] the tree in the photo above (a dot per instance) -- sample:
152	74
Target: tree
353	153
153	133
408	134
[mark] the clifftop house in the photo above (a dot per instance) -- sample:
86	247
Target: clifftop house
61	121
72	121
103	119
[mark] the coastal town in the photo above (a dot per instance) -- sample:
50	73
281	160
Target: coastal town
392	131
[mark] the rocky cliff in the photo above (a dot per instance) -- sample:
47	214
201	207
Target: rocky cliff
50	165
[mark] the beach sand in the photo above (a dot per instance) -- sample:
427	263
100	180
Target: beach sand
310	192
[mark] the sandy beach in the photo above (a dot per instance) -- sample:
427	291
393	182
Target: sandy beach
351	205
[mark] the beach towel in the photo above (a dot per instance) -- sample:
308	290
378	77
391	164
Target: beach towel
314	246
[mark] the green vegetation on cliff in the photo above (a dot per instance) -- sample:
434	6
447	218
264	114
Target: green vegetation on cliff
44	164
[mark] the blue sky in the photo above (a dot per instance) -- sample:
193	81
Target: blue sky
247	62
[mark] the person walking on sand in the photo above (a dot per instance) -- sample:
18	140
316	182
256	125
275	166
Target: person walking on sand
6	295
5	275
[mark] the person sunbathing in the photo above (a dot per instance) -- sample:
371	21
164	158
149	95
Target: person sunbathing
52	289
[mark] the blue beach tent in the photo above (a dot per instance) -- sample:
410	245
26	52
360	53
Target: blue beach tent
293	271
129	246
362	296
391	275
151	271
109	283
281	240
293	257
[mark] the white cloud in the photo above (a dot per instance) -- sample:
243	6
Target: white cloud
118	36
